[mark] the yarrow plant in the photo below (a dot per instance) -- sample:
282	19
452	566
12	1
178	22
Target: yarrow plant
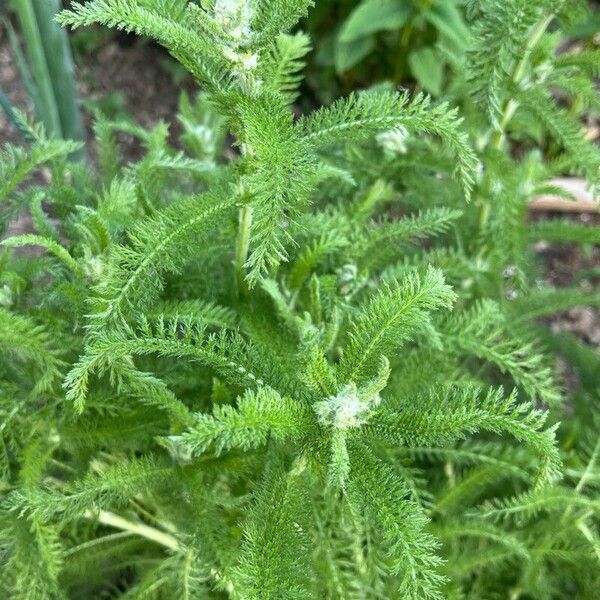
311	370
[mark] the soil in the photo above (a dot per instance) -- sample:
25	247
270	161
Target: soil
122	75
563	265
11	85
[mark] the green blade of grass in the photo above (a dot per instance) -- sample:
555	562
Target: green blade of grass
46	102
60	67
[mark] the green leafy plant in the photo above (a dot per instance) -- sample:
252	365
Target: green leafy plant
359	43
291	374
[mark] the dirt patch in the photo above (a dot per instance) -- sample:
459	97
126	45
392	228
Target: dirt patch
572	265
11	85
124	75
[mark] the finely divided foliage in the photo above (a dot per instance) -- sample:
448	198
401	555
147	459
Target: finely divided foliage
312	370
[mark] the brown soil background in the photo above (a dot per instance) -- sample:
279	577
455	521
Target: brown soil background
136	70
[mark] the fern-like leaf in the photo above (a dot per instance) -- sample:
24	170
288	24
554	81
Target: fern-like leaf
257	417
391	317
375	489
367	113
159	244
272	562
440	417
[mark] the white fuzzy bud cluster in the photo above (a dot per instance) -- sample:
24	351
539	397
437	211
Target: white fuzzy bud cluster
347	279
394	140
93	266
235	17
346	409
206	137
497	187
509	272
347	273
247	61
179	452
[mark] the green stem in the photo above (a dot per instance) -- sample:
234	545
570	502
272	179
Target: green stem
60	67
510	106
518	72
242	246
47	106
508	113
150	533
145	531
583	480
22	68
380	191
585	476
590	536
113	537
